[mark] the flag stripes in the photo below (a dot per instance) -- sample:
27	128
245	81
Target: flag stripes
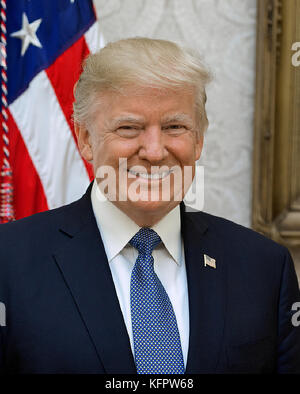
48	139
70	60
29	194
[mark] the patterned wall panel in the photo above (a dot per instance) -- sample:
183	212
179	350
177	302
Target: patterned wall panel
223	31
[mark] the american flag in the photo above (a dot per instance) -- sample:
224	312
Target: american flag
43	45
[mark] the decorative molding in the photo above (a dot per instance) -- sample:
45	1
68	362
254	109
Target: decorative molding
276	163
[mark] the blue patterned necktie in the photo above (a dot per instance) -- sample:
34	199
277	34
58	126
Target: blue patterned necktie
156	338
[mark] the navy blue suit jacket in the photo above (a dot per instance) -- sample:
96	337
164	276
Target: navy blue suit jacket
63	315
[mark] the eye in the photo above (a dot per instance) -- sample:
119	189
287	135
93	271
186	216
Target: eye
128	131
126	127
174	128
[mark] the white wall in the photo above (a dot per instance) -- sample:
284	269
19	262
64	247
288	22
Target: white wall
223	31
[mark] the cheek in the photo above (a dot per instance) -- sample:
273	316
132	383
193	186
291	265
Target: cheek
110	150
184	151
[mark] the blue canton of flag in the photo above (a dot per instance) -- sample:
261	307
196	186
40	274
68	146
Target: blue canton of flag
38	31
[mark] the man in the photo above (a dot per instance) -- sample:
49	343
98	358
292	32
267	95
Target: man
126	279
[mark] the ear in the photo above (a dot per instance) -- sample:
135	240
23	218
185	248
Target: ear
84	143
199	146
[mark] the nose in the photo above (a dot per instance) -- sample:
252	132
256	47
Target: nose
152	145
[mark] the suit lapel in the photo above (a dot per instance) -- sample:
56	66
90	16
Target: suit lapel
206	287
83	263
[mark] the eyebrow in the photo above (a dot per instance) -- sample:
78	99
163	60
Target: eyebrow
127	118
179	117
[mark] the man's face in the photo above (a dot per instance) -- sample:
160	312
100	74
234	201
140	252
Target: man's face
153	132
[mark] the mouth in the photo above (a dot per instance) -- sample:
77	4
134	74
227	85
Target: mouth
153	176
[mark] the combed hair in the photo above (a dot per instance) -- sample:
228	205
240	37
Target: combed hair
140	62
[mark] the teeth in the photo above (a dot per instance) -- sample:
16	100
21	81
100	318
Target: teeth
145	175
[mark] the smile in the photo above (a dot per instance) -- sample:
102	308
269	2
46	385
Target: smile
145	175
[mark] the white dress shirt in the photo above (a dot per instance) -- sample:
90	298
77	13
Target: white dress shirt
116	230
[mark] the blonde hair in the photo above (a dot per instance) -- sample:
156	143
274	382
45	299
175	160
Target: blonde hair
141	62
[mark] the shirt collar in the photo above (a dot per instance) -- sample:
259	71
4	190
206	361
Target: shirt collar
116	237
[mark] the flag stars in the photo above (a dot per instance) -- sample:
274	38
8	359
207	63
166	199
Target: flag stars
28	34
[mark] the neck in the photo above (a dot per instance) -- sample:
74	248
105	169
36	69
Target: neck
145	218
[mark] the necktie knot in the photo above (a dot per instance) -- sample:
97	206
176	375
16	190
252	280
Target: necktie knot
145	240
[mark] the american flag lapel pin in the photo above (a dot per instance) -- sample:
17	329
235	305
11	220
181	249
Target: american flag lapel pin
209	261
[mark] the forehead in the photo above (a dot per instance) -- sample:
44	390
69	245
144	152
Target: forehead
147	101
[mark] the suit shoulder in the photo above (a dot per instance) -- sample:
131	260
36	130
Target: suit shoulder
40	229
34	221
237	235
